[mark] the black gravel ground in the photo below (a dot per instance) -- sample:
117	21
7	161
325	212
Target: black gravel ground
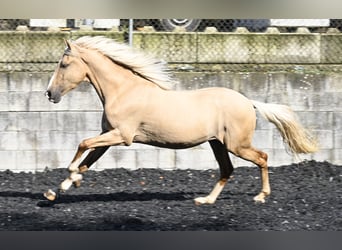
305	196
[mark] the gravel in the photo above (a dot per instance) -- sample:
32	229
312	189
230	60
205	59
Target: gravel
305	196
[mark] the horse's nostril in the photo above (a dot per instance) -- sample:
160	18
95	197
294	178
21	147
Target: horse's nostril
48	94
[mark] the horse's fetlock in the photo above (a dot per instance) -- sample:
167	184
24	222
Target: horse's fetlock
266	192
77	184
75	177
73	168
66	184
83	168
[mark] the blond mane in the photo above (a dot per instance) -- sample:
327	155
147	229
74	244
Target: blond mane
141	63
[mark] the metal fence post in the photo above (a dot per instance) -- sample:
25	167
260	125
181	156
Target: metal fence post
130	33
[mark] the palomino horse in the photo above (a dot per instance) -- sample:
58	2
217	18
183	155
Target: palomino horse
140	107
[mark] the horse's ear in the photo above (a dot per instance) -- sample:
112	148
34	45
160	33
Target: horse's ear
67	43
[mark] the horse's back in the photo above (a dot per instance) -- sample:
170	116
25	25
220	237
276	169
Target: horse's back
208	102
226	99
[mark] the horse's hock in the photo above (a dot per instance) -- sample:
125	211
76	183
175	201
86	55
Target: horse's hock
300	70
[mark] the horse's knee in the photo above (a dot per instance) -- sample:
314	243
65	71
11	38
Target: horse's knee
83	146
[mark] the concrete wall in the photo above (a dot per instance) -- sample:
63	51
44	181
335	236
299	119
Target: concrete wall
35	134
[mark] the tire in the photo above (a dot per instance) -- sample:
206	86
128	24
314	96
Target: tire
171	24
225	25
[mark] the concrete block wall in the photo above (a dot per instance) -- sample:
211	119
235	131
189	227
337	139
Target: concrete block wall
35	134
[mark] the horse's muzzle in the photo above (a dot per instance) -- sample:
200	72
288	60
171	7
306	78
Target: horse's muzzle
53	97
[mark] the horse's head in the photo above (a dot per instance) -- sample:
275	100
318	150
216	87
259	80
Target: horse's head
70	72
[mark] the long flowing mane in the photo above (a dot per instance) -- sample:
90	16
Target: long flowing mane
140	63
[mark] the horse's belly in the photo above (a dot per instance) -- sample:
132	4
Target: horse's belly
175	134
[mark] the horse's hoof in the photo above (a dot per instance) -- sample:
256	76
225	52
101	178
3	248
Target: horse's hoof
259	199
50	195
197	203
200	201
203	200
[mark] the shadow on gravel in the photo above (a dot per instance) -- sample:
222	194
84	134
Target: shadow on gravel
120	196
33	196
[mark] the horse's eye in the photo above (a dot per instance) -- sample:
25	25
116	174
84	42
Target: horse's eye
63	65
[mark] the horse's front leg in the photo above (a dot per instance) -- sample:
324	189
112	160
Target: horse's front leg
98	145
77	169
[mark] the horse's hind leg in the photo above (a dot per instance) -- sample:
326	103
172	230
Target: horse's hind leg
259	158
226	169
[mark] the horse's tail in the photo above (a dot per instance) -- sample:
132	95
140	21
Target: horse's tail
294	134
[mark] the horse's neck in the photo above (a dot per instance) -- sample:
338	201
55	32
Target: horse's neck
111	80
